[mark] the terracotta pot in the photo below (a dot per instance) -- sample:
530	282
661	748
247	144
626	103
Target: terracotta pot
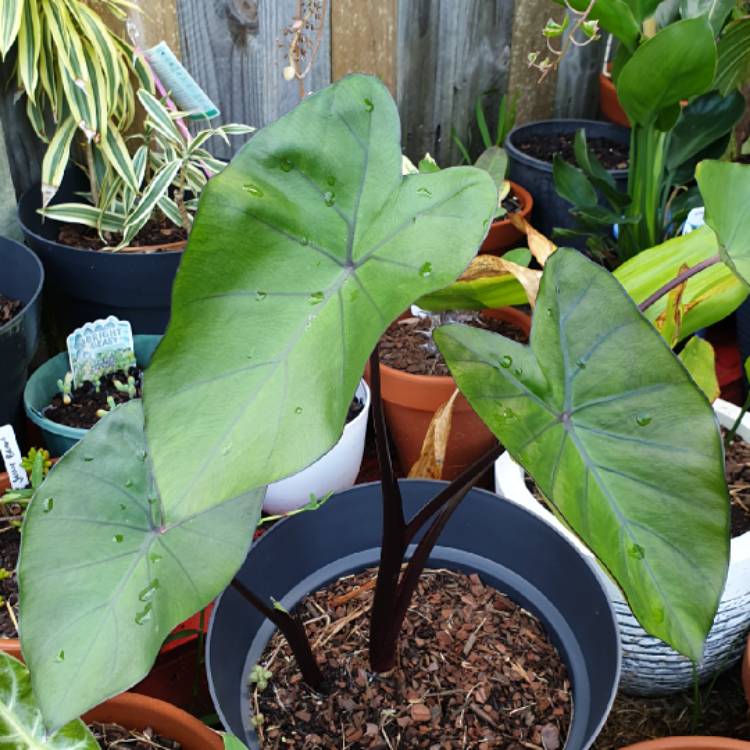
691	743
410	401
134	711
746	672
503	235
609	104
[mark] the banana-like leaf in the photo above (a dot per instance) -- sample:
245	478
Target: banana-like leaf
322	244
56	159
725	188
21	726
733	67
11	14
678	63
709	296
699	359
617	435
96	609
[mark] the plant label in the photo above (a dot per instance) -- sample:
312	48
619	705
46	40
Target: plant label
11	454
183	88
101	347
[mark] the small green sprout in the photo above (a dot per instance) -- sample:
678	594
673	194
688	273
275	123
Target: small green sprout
111	404
257	720
279	606
29	461
128	387
5	574
260	676
66	388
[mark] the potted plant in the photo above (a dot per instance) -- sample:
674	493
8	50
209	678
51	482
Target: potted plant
513	198
117	252
690	743
20	305
63	412
183	472
123	720
666	139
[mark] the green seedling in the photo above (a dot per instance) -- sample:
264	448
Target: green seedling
5	574
65	386
128	387
260	677
29	461
111	404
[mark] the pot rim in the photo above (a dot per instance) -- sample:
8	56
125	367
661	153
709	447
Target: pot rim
691	743
27	197
34	297
575	124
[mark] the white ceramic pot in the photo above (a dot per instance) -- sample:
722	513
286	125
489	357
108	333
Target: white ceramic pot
336	470
650	667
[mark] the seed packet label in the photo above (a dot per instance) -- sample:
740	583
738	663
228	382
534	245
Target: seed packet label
11	454
99	348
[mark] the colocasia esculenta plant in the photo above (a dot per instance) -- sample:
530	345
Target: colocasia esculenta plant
324	243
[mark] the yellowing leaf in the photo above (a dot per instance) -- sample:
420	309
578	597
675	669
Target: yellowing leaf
432	457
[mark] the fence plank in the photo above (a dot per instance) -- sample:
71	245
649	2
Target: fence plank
363	39
231	48
449	53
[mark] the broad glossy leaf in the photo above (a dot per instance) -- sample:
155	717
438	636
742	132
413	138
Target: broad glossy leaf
725	188
678	63
699	359
642	9
733	68
21	726
615	433
703	121
715	11
96	608
709	296
304	249
615	16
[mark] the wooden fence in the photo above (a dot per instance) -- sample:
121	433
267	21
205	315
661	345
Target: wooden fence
436	56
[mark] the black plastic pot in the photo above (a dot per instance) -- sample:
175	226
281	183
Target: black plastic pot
550	210
506	545
21	277
85	285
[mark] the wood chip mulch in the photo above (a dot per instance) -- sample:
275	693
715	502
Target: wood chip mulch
475	672
738	479
114	737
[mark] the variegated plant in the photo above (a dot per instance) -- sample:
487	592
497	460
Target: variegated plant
77	75
166	175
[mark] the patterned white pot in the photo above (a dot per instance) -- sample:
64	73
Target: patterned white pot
650	667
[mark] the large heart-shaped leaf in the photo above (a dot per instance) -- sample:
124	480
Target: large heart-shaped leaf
614	431
678	63
21	726
304	249
105	573
725	188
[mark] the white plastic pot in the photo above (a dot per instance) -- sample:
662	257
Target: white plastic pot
336	470
650	667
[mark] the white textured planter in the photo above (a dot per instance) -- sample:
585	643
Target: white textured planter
336	470
650	667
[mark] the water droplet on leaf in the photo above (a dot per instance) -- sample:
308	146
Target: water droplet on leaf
424	192
642	420
60	657
226	449
329	198
298	410
369	106
304	241
49	503
118	538
123	507
129	483
150	591
580	364
316	298
260	296
88	458
154	557
144	615
253	190
636	551
425	270
518	372
286	165
331	180
506	361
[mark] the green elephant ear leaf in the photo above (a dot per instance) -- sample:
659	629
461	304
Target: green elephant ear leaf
614	431
125	573
21	725
677	63
232	743
304	249
725	188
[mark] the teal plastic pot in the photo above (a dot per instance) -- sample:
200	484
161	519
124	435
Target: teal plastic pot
42	387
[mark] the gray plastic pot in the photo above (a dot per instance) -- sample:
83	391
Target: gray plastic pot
42	386
550	210
22	278
509	547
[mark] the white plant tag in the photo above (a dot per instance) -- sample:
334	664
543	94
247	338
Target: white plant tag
99	348
11	454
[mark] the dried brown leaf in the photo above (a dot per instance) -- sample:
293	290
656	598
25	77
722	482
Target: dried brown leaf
432	457
541	247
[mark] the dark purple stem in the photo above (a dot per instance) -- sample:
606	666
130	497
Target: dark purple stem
677	280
